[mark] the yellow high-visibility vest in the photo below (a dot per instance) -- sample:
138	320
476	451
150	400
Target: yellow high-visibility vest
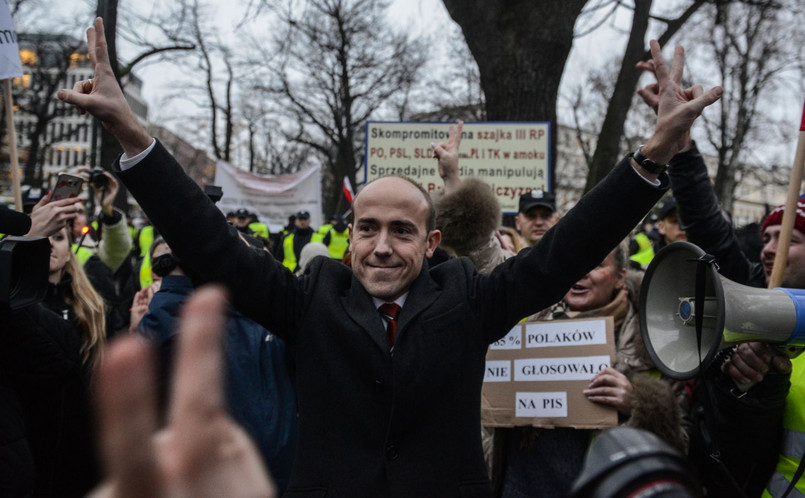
259	229
645	253
339	242
793	436
82	254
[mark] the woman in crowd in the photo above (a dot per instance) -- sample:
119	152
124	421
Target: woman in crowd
60	426
545	462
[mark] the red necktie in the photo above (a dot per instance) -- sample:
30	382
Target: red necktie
390	311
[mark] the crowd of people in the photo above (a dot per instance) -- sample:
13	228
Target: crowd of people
348	360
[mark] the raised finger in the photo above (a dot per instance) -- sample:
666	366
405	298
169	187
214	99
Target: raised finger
660	69
127	416
91	42
646	66
455	134
197	384
100	48
438	149
678	64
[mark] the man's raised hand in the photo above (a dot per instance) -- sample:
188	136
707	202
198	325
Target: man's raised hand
447	158
677	108
102	97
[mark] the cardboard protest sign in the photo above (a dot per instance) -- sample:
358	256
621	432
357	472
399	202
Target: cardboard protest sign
536	375
513	158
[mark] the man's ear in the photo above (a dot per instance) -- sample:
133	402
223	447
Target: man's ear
517	222
434	238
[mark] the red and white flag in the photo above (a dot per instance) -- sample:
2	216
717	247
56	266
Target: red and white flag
348	192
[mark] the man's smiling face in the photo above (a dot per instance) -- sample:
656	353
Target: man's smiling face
389	239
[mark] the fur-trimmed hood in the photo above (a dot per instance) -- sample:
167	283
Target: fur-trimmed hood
468	216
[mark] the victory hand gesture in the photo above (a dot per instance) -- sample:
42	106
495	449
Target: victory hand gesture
102	97
677	108
447	157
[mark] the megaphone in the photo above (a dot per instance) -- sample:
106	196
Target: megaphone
688	312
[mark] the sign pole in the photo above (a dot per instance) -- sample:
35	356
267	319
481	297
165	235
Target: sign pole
790	213
12	144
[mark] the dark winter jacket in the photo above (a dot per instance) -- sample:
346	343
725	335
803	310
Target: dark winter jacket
259	389
61	429
39	352
736	439
103	281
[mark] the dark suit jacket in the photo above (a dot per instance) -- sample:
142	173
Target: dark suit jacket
373	424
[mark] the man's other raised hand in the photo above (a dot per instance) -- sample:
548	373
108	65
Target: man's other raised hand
677	108
102	97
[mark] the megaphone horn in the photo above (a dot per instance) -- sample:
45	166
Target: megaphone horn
688	312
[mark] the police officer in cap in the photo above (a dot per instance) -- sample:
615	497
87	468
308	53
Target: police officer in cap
537	214
241	221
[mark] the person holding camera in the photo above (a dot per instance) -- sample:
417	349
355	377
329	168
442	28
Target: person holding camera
49	352
107	236
103	246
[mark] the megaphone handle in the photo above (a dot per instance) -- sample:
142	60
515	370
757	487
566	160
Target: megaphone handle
788	351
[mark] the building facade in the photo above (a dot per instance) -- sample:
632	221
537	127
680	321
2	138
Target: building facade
51	136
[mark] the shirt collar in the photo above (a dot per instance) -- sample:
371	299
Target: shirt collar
400	301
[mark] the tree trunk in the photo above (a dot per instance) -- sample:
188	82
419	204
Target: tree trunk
521	48
344	167
724	185
607	150
110	148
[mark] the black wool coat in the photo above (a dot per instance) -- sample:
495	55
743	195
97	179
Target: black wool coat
373	423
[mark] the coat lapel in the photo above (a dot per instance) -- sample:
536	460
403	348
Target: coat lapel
422	294
360	308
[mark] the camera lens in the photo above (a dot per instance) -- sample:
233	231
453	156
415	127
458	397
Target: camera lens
97	178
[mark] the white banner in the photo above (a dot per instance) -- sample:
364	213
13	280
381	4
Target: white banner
10	66
273	198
